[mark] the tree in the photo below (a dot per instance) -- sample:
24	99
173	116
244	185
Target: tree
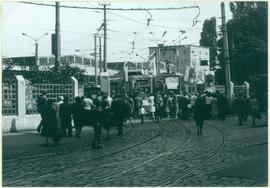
209	38
247	34
247	39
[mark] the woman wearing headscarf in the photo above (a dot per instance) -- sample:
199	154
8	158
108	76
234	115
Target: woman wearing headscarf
49	126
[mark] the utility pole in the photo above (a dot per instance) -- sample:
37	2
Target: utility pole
57	37
105	38
96	79
226	57
100	56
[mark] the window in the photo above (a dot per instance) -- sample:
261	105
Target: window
204	62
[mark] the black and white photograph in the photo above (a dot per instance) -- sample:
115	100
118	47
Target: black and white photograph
134	93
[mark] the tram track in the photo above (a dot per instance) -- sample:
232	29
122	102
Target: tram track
220	148
41	175
155	157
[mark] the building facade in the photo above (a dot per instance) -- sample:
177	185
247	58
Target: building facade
181	56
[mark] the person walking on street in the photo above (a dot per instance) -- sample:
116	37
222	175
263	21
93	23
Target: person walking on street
208	106
107	116
57	107
159	106
97	119
239	107
199	115
247	109
184	107
193	99
152	109
41	106
222	106
142	113
49	125
254	109
65	116
214	108
87	114
77	115
120	110
137	105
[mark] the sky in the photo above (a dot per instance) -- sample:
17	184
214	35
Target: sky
78	26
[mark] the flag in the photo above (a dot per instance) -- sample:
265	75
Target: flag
152	64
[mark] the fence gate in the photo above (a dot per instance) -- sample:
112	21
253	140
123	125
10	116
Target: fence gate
33	91
9	99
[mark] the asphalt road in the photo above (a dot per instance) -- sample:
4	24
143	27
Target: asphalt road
168	153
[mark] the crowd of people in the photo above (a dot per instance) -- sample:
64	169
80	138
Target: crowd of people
100	111
95	110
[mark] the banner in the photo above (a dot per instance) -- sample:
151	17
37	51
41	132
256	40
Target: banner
105	84
186	77
152	64
125	71
172	82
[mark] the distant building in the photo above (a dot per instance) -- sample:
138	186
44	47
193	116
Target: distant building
23	63
131	66
181	56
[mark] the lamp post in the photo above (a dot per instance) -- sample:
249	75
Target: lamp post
36	44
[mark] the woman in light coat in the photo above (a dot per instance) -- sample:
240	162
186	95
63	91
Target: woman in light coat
152	107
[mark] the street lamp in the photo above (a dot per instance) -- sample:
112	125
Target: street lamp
36	44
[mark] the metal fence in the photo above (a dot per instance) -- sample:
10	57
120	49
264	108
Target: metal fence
33	91
9	99
220	88
237	89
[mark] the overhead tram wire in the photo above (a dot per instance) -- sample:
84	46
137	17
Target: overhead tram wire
120	9
126	9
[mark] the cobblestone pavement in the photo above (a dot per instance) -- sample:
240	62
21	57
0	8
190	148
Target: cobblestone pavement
153	154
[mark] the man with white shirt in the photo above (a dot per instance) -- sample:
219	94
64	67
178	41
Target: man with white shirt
208	104
56	108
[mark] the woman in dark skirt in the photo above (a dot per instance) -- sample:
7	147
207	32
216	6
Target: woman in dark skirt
77	114
199	115
49	126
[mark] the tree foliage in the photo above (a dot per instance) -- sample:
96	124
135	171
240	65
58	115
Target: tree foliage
209	38
36	74
247	37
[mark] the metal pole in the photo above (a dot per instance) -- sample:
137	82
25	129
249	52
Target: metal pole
100	56
57	32
105	40
36	52
226	57
157	61
96	79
